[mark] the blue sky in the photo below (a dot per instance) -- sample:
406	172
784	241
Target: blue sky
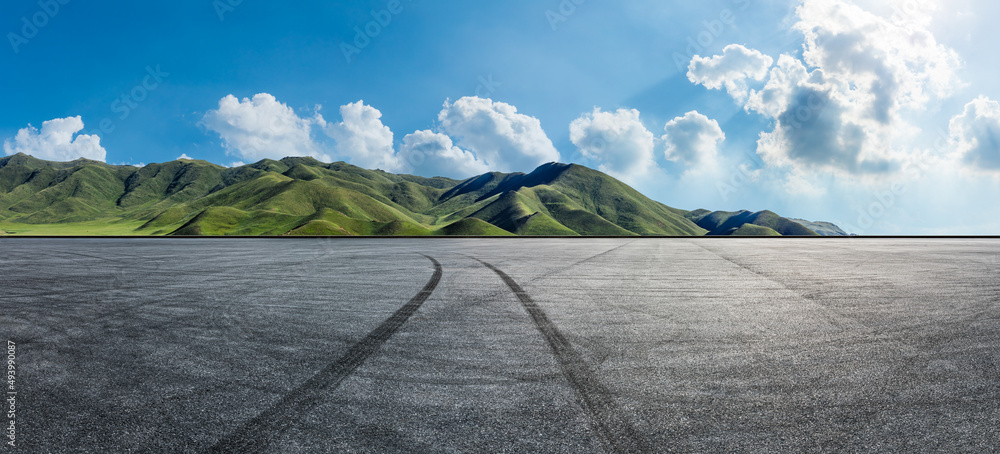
879	115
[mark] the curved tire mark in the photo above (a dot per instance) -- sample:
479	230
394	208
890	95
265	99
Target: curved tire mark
833	317
605	414
560	270
265	428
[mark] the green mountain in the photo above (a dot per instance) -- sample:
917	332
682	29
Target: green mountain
754	230
302	196
823	228
763	223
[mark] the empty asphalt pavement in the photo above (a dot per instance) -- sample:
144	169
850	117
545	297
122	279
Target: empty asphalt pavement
503	345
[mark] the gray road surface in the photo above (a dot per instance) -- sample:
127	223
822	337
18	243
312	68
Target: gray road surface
658	345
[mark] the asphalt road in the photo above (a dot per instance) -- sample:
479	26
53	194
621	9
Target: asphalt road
602	345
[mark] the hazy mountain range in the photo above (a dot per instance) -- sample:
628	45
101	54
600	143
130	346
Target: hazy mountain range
302	196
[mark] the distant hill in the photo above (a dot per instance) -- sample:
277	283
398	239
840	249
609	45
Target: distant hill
763	223
823	228
302	196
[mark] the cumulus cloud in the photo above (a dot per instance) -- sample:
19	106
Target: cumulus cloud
492	136
693	139
730	70
892	63
184	156
56	141
841	106
130	164
976	134
262	127
362	139
616	140
433	154
502	138
818	125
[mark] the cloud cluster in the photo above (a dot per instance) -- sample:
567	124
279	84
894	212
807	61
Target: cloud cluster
693	139
893	64
617	140
362	139
502	138
619	143
492	136
976	134
819	125
730	70
262	127
433	154
840	107
56	141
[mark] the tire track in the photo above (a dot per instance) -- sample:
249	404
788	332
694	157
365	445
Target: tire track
259	432
833	317
546	275
604	413
560	270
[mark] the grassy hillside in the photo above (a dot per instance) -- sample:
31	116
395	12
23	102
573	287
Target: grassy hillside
754	230
472	227
822	228
572	198
742	222
303	196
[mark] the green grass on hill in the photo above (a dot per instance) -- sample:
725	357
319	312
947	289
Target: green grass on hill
541	224
730	222
302	196
755	230
472	227
97	227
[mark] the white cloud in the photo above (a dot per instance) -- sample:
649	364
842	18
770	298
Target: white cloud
362	139
693	139
976	134
184	156
261	127
433	154
906	13
236	164
730	70
618	141
798	184
897	64
56	142
820	125
499	136
841	107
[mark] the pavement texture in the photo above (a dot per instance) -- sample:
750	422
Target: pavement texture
505	345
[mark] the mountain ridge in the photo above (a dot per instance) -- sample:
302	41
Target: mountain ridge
303	196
